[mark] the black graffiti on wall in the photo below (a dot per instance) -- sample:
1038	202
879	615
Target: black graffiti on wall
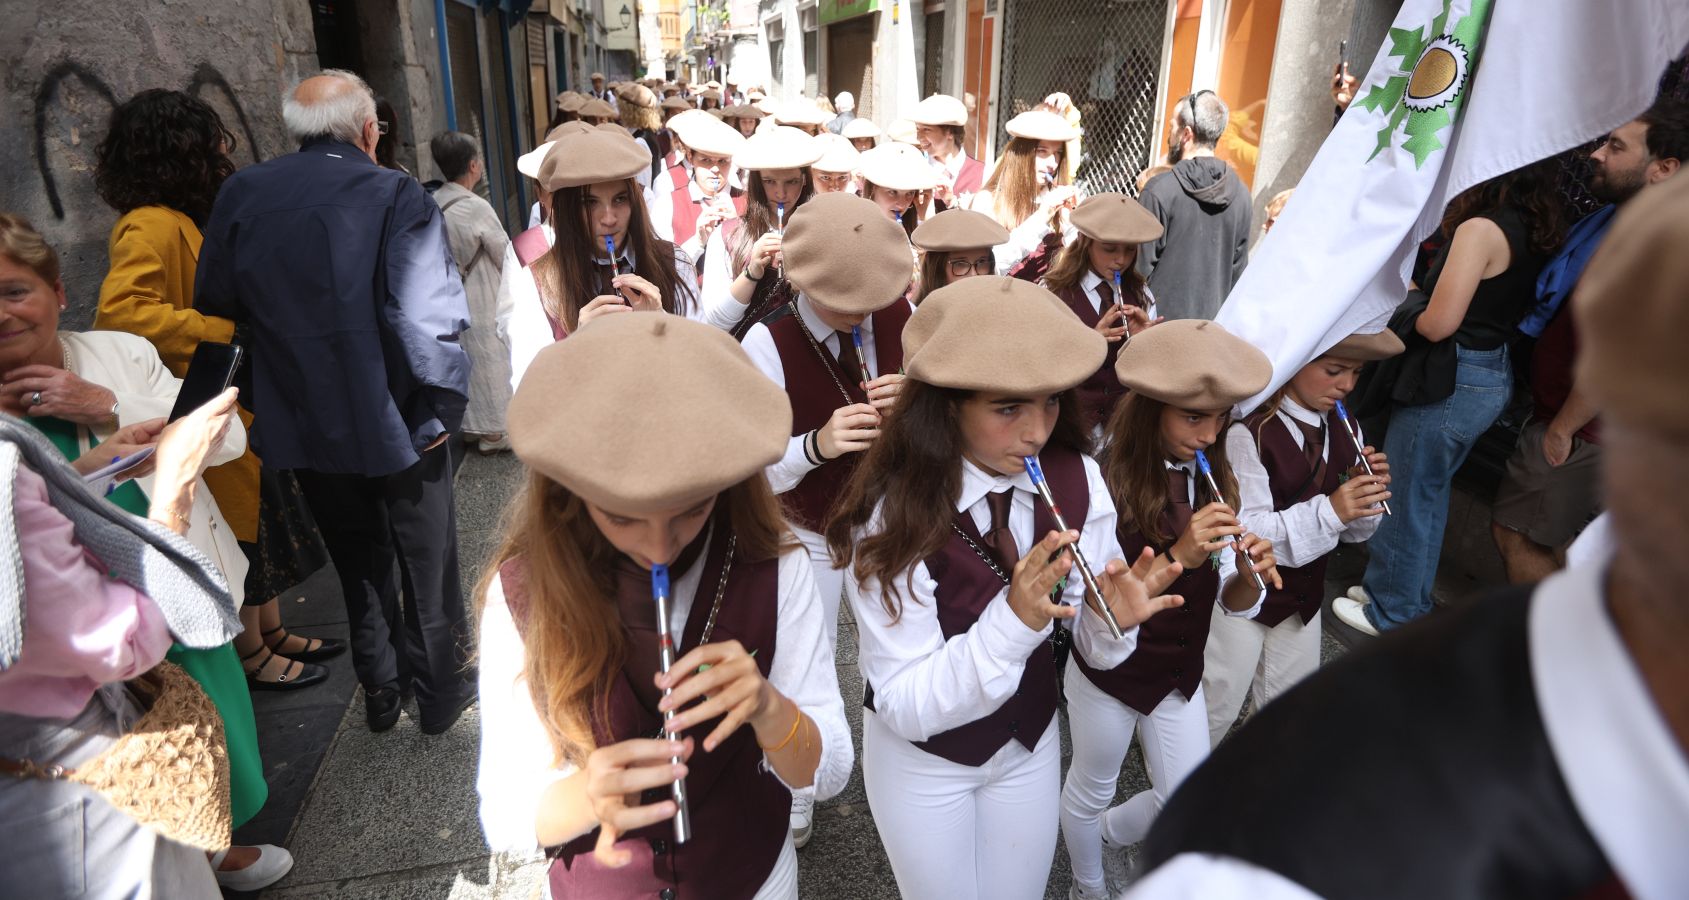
48	94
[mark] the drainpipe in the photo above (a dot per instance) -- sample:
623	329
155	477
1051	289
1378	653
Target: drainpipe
445	63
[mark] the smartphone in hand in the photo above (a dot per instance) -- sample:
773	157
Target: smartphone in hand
210	373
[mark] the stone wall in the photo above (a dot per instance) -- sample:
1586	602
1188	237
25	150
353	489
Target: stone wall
65	63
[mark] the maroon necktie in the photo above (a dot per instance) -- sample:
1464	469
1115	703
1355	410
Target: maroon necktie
999	538
847	357
1178	500
639	617
1313	448
1106	291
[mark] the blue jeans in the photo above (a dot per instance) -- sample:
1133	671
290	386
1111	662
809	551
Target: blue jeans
1426	444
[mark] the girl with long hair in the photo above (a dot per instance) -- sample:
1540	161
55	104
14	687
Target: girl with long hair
955	244
585	723
1094	275
953	580
743	281
596	204
1479	285
1030	192
1185	376
1303	487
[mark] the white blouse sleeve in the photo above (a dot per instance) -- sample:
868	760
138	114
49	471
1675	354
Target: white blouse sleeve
925	684
1100	543
1301	533
803	670
784	474
530	330
516	756
720	307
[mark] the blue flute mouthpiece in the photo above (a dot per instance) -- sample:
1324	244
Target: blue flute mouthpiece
1034	471
659	581
1202	463
1341	412
610	247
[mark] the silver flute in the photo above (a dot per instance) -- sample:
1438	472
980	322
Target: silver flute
1237	542
1036	473
1352	429
665	643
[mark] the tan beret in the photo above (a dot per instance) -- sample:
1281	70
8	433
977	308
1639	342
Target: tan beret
711	94
595	108
837	155
677	412
620	130
859	128
1114	218
1041	125
846	254
994	333
780	147
1632	308
1367	347
898	167
590	158
639	95
713	84
940	109
742	111
902	131
959	229
709	134
597	76
529	163
799	112
676	103
572	103
1192	364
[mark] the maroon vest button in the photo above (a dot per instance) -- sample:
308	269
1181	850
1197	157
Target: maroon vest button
665	894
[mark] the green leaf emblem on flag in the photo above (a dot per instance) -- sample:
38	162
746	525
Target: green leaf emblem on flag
1424	96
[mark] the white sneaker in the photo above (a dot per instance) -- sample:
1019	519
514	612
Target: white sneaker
1353	614
1078	892
803	818
1359	595
273	863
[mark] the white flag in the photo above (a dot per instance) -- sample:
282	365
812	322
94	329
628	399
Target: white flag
1450	102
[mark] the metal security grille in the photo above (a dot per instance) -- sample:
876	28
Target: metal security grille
1105	56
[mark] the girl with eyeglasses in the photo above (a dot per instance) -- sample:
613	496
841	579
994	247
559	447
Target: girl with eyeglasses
956	244
1030	192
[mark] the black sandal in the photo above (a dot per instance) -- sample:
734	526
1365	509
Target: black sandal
290	679
325	648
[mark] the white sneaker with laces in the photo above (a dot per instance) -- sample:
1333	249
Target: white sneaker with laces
1078	892
1359	595
803	818
1353	615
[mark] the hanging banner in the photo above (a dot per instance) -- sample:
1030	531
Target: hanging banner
838	10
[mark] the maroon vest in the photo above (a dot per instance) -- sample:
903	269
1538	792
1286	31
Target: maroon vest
740	810
1292	482
1099	394
969	178
772	291
1038	261
810	371
1169	653
687	211
678	175
965	585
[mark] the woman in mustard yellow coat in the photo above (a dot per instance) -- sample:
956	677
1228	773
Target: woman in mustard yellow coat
160	165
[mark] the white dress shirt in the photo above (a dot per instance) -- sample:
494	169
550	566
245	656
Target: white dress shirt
1092	283
1227	556
759	345
662	217
925	684
1308	530
517	764
1023	238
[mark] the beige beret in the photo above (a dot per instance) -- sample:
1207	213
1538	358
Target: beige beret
837	155
708	134
573	103
859	128
780	147
1192	364
898	167
846	254
1041	125
676	413
742	111
711	94
1632	308
902	131
994	333
940	109
1114	218
639	95
597	76
590	158
713	84
595	108
529	163
620	130
676	103
959	229
799	112
1367	347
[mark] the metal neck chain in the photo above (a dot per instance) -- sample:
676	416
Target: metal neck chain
980	552
820	353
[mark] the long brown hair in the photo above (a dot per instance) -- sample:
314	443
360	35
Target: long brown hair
911	216
1073	260
1014	183
1136	468
760	217
571	276
914	467
1533	190
934	272
573	638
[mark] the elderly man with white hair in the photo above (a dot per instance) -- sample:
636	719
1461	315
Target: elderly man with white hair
341	273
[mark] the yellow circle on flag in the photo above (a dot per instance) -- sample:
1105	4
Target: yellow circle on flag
1436	72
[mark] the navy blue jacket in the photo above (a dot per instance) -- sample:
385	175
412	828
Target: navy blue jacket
341	273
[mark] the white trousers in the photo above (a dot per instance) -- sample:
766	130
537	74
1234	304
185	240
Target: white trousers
1174	739
964	832
1243	657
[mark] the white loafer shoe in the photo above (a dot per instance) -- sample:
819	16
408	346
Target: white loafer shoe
272	865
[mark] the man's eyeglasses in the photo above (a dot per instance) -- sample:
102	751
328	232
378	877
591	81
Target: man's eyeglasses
381	127
960	268
1192	101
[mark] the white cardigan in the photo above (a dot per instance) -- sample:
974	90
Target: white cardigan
129	366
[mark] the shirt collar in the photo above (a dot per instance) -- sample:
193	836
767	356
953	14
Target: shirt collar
976	483
1626	775
822	331
626	255
1091	281
1300	413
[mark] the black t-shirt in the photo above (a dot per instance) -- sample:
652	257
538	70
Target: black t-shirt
1503	299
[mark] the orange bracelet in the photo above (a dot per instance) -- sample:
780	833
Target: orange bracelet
793	733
